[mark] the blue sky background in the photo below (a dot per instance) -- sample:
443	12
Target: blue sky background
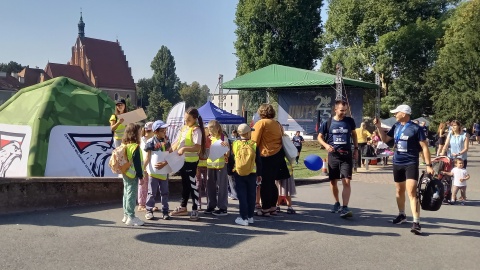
199	34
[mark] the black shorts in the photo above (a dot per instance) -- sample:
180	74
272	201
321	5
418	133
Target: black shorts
340	166
403	172
299	148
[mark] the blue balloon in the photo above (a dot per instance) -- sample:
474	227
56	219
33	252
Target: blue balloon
313	162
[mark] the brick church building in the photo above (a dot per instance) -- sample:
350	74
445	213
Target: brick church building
95	62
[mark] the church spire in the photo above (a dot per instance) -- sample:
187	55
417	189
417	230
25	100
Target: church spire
81	27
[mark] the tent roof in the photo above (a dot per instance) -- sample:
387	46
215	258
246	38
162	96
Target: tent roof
277	76
211	112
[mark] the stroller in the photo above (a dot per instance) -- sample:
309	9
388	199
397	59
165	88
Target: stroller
443	163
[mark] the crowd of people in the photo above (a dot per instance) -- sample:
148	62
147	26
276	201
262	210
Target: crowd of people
237	174
261	191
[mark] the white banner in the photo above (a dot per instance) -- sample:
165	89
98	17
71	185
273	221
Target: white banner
175	121
75	151
14	150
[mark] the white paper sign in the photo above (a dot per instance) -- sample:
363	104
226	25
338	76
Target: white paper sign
217	150
133	116
154	159
175	162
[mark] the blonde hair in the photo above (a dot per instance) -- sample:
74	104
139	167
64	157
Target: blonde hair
217	131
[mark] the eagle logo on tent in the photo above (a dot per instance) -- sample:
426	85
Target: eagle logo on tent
10	149
93	150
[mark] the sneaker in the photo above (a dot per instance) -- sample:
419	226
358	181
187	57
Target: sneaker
278	209
165	216
451	202
209	211
141	208
290	211
336	208
220	212
124	218
416	228
250	220
180	211
135	221
240	221
149	215
194	215
346	212
401	218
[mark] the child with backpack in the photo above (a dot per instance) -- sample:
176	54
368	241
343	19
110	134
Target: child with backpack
130	142
460	177
217	175
247	173
286	189
160	146
143	183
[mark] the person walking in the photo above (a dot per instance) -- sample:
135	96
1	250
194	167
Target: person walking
298	141
362	136
457	143
336	136
476	131
408	139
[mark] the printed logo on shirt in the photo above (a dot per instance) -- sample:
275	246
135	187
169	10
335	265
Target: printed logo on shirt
340	130
93	150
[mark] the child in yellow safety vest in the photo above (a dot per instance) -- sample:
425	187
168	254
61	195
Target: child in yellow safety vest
247	173
191	143
131	138
217	181
159	145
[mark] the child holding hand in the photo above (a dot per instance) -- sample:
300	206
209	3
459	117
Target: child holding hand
460	177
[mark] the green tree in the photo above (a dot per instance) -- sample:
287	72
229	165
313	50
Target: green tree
394	38
144	88
154	108
194	95
11	67
276	32
164	77
454	80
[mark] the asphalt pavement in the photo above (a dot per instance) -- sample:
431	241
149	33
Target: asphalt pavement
94	237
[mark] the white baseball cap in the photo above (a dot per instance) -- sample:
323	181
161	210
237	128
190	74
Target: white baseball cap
402	108
244	129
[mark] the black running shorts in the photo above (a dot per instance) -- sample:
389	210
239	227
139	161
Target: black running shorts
403	172
340	166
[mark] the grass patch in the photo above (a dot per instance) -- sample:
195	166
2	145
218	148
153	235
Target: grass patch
300	171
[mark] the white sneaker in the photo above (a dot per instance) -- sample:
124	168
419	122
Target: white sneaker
135	221
241	221
149	215
124	218
250	220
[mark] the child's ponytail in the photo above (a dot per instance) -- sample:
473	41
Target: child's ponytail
204	140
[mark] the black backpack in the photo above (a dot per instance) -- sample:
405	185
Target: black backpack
430	192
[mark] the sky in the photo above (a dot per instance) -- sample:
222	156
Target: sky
199	34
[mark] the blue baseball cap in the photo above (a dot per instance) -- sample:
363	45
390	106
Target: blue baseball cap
158	124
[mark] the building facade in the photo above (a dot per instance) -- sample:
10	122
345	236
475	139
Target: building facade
232	102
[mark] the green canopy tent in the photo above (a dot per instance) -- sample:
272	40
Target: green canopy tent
41	107
305	97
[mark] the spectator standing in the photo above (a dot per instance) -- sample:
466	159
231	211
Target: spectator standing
362	136
457	143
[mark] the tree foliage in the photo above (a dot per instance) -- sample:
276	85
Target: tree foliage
144	88
397	39
454	80
276	32
194	95
164	77
11	67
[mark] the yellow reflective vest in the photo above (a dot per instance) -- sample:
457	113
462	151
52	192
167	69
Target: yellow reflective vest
217	163
131	147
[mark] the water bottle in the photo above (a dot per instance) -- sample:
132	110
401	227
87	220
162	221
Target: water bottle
436	195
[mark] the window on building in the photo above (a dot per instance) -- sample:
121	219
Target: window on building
231	104
116	96
231	97
230	111
225	104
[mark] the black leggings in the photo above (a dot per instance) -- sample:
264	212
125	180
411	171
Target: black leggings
299	149
188	173
273	168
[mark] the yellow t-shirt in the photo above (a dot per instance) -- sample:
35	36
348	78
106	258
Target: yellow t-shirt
118	134
268	136
362	136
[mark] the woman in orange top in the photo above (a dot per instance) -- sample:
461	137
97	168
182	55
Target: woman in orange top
267	134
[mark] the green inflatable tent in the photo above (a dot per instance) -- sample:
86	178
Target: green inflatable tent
39	108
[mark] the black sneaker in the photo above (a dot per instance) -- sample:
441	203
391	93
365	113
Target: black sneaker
346	212
166	216
336	208
208	211
416	228
401	218
220	212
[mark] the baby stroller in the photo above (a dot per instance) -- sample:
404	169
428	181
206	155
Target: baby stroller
443	163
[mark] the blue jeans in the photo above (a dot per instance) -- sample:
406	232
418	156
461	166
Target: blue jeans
246	187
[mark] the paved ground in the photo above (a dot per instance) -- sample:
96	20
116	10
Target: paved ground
94	238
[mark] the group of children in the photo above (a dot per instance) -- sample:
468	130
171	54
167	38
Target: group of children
201	176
